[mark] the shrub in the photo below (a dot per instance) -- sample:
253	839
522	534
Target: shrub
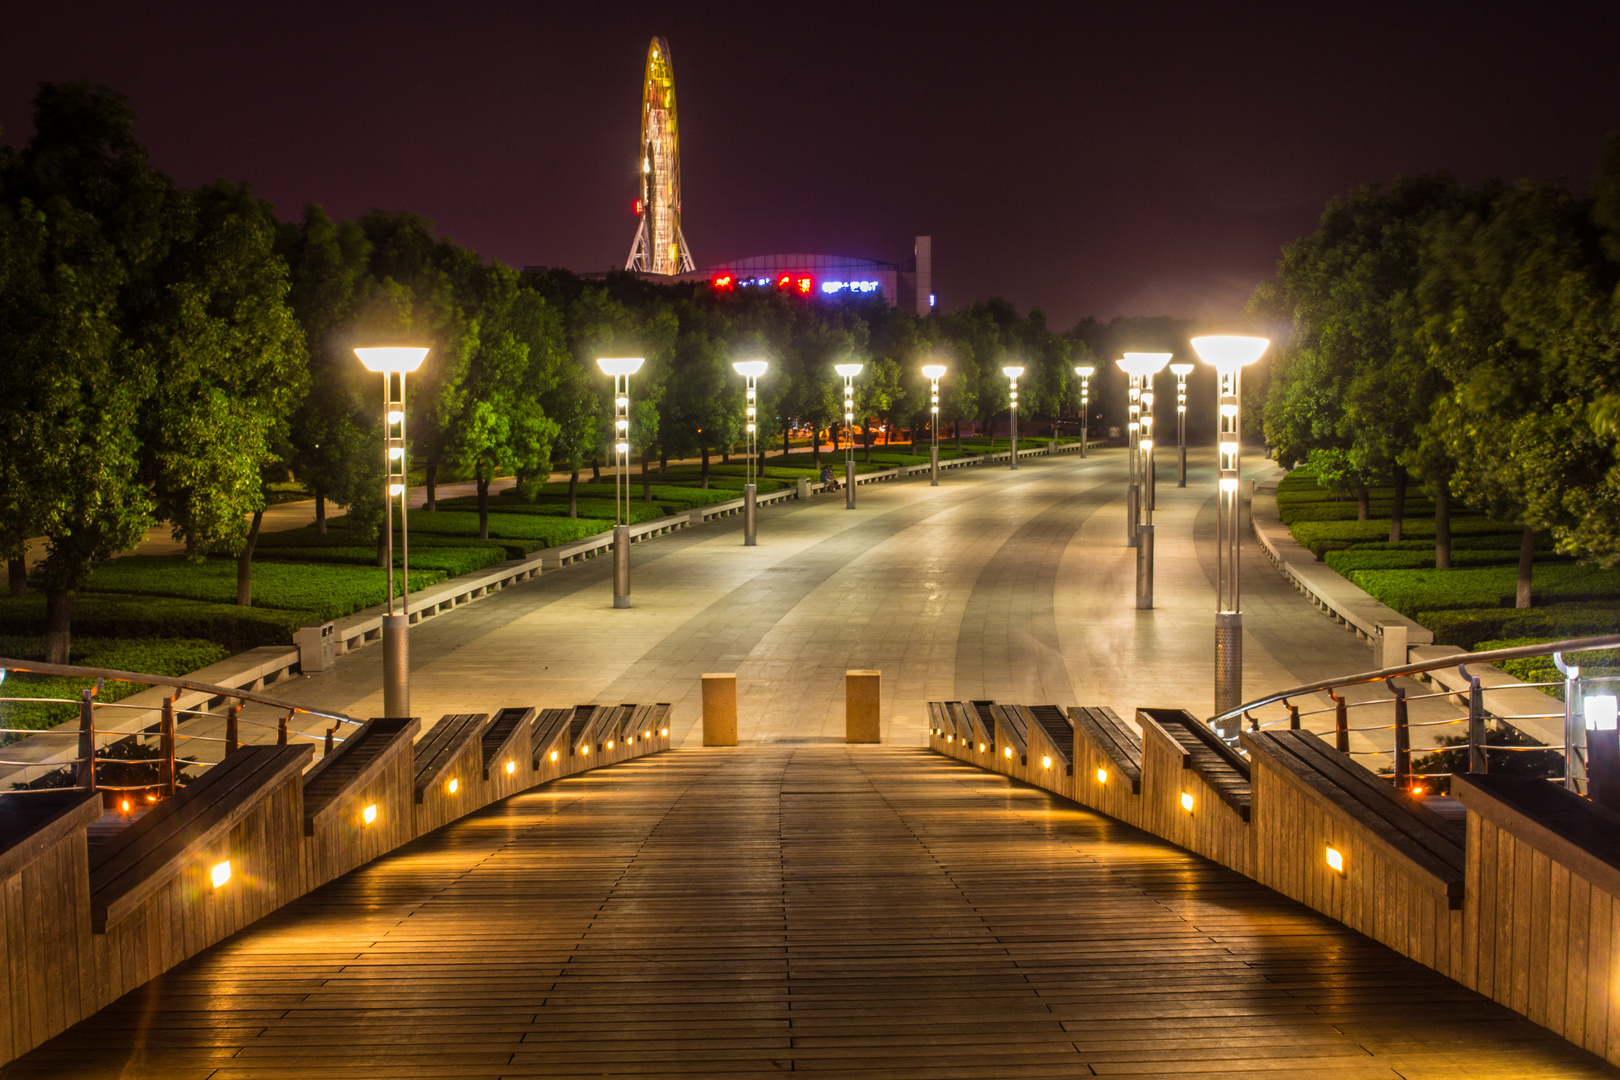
552	506
338	535
173	657
331	591
1409	591
1344	533
1372	557
1466	628
1380	509
1544	763
1602	663
453	561
543	530
133	616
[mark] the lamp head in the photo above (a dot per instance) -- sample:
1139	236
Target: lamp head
1181	371
619	365
752	369
391	358
1144	365
934	371
1229	351
1012	372
1085	371
848	371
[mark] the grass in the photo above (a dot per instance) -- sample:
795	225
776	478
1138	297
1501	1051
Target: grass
453	561
331	591
136	616
1467	627
1411	591
540	530
280	545
152	656
1377	557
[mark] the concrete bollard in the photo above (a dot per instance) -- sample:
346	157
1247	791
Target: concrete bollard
719	710
804	488
862	723
1389	647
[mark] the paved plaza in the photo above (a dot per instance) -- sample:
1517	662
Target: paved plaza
1012	586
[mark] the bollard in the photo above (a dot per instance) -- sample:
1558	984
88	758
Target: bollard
621	566
862	724
849	485
719	710
396	666
1144	568
750	515
933	466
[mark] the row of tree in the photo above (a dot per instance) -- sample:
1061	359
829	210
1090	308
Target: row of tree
167	354
1465	340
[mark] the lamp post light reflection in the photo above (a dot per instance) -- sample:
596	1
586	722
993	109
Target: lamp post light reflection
1085	371
1141	367
619	369
934	372
1181	372
1012	374
1229	355
393	363
751	370
849	371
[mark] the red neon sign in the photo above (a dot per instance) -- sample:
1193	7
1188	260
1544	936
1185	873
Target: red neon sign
783	282
803	285
638	206
723	283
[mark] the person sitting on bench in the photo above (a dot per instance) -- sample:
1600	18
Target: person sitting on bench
827	478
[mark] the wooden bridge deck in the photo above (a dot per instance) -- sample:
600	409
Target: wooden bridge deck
858	911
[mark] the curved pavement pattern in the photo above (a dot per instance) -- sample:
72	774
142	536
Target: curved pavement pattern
860	912
1015	586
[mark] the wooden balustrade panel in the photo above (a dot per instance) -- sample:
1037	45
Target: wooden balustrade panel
1051	746
449	771
508	764
1212	828
374	768
1102	741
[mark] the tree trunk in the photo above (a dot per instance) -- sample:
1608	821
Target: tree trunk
596	470
320	512
1398	511
1527	564
1363	502
646	481
573	493
663	458
483	501
432	489
17	576
815	450
382	545
958	436
785	447
868	426
705	483
725	455
58	627
1442	525
244	563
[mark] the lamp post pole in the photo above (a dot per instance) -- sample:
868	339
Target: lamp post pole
750	370
1012	374
849	371
1085	372
933	371
395	362
1181	372
1229	355
619	369
1133	491
1142	367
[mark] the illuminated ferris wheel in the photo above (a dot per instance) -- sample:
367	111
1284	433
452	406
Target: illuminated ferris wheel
659	247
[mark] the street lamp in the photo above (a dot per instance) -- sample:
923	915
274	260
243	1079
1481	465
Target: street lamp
1012	374
934	372
620	368
391	361
1181	372
1133	416
1141	367
1085	372
750	370
849	371
1229	355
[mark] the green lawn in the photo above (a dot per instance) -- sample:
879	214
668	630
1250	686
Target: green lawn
164	656
330	590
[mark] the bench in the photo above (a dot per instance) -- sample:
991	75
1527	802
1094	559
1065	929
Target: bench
358	799
1012	741
168	847
447	762
582	731
1401	867
1196	790
507	762
1107	763
548	738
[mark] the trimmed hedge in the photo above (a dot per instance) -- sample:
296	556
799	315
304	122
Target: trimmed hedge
1379	509
1344	533
1469	627
331	591
162	656
453	561
134	616
550	506
1411	591
545	530
1601	663
341	536
1372	557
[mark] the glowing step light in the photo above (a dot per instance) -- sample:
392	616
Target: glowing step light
1046	761
452	785
511	767
1102	776
1335	860
221	873
1186	802
369	814
554	755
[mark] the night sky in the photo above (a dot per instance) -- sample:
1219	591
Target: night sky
1118	159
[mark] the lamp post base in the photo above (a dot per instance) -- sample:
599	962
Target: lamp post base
396	666
1229	668
1144	568
849	485
1181	466
933	466
750	515
1133	512
621	566
1014	455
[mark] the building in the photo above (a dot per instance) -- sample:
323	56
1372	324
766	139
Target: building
908	285
659	246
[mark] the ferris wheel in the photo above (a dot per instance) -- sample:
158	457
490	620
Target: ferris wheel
659	247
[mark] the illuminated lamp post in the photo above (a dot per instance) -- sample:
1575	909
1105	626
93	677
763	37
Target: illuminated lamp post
1012	374
1085	372
934	373
620	368
392	362
849	371
750	370
1141	367
1181	372
1133	416
1229	355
